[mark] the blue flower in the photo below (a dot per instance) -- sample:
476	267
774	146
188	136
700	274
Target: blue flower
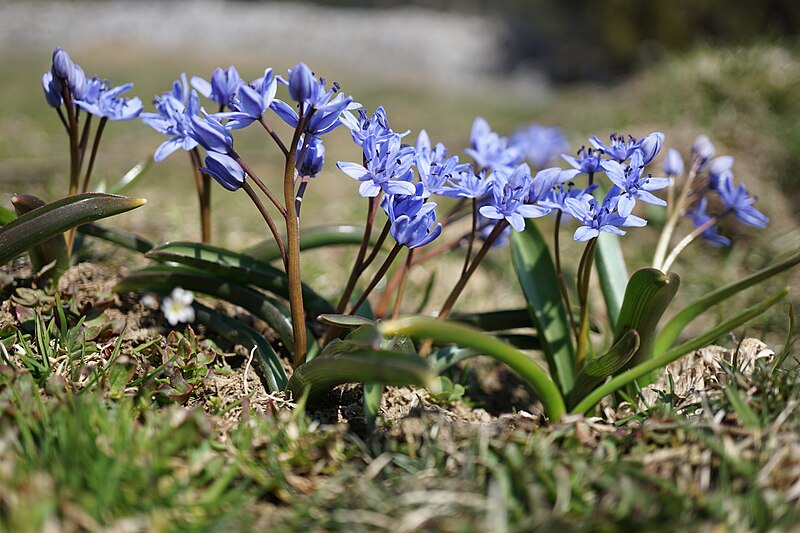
618	149
597	217
107	103
250	101
545	180
738	201
434	167
589	161
312	97
223	86
700	217
173	118
225	170
650	146
540	144
62	64
310	160
716	167
52	89
703	149
673	163
364	126
412	220
510	192
387	167
490	150
467	184
558	195
211	134
632	185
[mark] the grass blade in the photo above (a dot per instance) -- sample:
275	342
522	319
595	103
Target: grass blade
131	176
669	334
537	277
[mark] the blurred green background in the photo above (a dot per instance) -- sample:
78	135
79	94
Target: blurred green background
729	70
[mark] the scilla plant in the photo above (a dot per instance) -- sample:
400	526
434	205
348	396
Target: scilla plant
491	201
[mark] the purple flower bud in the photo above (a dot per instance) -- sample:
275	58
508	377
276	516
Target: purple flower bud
702	148
716	168
52	89
62	64
673	163
650	146
314	157
301	83
225	170
77	83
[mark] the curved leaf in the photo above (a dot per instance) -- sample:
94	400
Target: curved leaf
448	332
53	250
662	360
319	376
164	279
239	333
495	320
612	274
46	222
131	176
537	277
314	237
598	369
237	267
669	334
647	296
345	321
125	239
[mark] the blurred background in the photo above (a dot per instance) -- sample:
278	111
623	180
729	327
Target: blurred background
730	70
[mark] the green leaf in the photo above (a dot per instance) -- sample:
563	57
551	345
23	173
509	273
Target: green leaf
125	239
165	278
598	369
747	416
52	250
241	268
612	273
647	296
6	216
787	344
663	359
321	375
537	277
345	321
52	219
669	334
372	403
443	332
310	238
239	333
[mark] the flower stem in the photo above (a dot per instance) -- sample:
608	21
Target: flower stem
84	142
584	276
203	195
74	148
262	186
274	135
95	147
472	233
268	219
301	191
672	221
560	274
403	281
362	252
377	277
686	241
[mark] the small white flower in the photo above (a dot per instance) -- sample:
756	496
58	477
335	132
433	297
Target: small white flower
177	307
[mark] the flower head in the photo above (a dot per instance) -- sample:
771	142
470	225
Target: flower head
702	148
738	201
589	160
311	157
177	307
376	125
618	149
540	144
250	101
52	89
673	163
434	167
225	170
412	220
210	133
468	184
700	217
632	185
510	192
106	102
175	110
490	150
387	167
597	217
222	88
717	167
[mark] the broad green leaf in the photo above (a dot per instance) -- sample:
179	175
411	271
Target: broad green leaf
321	375
612	274
52	219
444	332
314	237
495	320
598	369
125	239
537	277
164	279
447	356
53	250
131	176
345	321
669	334
663	359
372	403
239	333
647	296
241	268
